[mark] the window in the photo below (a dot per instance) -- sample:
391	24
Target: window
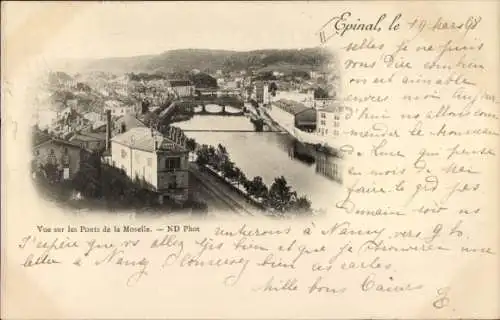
337	117
323	115
173	163
124	154
323	122
336	124
150	162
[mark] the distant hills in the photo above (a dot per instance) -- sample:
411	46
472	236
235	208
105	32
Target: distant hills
206	60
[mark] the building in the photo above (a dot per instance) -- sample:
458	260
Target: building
183	88
261	93
322	103
118	109
125	123
328	122
69	120
306	98
157	163
291	114
57	159
93	116
95	141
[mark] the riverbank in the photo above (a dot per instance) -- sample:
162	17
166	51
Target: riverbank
278	199
236	200
265	154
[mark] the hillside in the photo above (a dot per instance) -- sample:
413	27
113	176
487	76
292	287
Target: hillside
208	60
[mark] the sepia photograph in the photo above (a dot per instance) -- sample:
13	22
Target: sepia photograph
192	131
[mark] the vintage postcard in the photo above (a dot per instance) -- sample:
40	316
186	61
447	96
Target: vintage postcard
250	160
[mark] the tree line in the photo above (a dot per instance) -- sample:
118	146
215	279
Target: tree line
279	198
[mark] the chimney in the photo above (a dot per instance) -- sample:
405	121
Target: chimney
108	129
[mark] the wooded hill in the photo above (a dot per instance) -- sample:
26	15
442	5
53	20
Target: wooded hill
205	60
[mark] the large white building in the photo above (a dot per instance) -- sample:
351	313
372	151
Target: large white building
331	162
159	164
328	121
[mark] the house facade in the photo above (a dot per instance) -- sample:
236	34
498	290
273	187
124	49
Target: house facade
57	159
328	122
157	163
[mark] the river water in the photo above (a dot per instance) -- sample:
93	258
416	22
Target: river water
265	154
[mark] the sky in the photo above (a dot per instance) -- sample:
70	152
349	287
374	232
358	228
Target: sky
104	29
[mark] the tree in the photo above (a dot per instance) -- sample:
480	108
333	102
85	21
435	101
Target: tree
254	104
229	170
145	106
258	124
240	176
302	206
257	188
301	74
191	144
273	87
280	195
320	93
203	155
220	157
203	80
265	76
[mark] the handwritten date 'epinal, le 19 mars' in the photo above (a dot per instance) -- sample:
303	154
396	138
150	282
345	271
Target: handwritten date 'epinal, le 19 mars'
347	22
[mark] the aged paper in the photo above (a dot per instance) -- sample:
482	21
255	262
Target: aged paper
250	160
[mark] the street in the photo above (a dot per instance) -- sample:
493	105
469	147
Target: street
219	195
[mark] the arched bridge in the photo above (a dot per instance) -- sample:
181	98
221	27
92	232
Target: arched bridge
182	109
228	105
219	110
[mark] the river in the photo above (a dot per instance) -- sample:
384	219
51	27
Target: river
265	154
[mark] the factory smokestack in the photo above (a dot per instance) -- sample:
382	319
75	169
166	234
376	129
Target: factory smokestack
108	129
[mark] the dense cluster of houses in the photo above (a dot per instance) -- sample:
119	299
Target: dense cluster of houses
70	144
112	128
